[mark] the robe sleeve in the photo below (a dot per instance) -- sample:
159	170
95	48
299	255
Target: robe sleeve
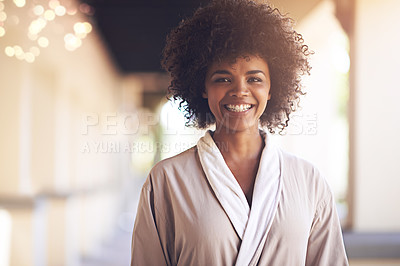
325	243
146	243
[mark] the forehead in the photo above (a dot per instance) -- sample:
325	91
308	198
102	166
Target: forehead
238	63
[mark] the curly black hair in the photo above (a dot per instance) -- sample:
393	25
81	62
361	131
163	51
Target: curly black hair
228	29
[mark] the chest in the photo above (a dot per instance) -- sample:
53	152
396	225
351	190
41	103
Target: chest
203	233
245	173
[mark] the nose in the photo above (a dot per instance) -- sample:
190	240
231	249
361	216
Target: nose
239	89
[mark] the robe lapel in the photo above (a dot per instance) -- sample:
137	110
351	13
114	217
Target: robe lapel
224	184
266	196
252	226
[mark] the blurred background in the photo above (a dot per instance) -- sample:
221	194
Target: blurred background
84	116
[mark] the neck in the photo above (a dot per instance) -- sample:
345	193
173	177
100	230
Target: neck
245	144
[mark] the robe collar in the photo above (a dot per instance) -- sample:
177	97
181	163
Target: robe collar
251	225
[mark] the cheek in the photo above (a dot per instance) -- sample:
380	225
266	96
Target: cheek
264	102
213	105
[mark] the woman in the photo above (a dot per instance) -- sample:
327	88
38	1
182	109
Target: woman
235	198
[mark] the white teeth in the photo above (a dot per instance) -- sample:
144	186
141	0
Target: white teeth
238	108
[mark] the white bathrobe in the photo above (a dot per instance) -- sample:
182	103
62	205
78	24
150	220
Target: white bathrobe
192	211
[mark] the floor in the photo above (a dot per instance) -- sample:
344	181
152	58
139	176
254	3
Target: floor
116	252
374	262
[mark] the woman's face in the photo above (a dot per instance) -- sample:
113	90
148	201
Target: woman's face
238	93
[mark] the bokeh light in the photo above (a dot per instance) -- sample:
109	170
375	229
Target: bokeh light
37	26
34	50
41	15
2	31
72	11
72	42
79	28
43	42
86	9
82	29
9	51
19	53
60	11
88	27
19	3
38	10
3	16
18	50
53	4
29	57
32	37
49	15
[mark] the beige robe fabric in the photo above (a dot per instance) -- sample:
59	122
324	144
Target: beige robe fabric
181	221
251	225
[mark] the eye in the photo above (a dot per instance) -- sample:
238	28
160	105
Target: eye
254	79
221	80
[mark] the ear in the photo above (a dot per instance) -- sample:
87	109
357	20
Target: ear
205	96
269	96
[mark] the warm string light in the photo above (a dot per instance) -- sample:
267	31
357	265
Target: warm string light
74	41
43	15
20	3
3	17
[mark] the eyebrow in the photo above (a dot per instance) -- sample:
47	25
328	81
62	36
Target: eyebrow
226	72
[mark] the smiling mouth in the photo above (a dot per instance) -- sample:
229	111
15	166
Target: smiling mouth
238	107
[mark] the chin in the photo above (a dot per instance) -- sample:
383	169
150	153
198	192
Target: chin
237	127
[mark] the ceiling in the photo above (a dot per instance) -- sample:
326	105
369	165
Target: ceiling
134	31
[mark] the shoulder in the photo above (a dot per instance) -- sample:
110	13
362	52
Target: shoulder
180	161
298	166
301	173
173	167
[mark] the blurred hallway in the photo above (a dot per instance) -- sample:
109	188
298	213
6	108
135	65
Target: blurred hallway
115	251
80	130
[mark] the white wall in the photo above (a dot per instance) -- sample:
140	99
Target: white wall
377	127
318	131
56	196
